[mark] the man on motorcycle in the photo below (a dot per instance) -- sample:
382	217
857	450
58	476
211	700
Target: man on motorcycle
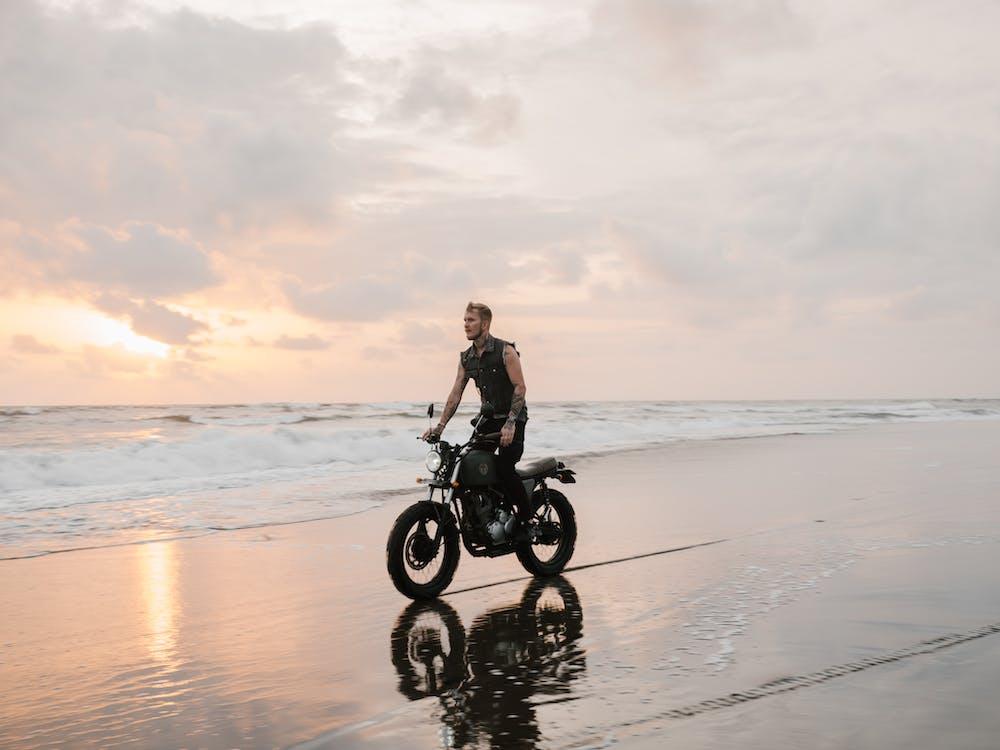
495	366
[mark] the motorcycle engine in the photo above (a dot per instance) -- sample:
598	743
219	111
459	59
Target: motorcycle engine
489	523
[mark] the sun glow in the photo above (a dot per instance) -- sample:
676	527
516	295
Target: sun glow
68	326
108	332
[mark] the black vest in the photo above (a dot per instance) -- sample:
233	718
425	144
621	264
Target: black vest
491	377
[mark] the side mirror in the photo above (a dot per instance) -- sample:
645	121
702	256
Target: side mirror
430	411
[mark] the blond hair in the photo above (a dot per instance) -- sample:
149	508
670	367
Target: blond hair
485	313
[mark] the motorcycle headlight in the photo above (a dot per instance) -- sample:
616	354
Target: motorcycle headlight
433	462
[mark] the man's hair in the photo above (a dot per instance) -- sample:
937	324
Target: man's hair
485	313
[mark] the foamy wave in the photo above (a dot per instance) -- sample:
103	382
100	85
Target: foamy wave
252	420
72	475
245	421
21	411
182	418
213	457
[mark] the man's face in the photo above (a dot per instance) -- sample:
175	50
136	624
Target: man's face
473	325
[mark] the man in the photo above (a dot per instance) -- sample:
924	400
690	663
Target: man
495	365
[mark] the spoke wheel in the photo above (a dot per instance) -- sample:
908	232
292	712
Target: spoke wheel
554	537
422	551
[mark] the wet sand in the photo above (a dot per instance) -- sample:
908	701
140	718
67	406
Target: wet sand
847	599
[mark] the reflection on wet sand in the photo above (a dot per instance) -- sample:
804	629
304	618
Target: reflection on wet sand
158	576
488	681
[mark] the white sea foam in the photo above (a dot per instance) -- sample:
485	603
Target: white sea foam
210	457
160	466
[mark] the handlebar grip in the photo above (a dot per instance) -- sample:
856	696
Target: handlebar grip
491	436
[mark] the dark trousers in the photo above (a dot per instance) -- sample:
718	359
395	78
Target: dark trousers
513	487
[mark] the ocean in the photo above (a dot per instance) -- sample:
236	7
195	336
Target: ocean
75	477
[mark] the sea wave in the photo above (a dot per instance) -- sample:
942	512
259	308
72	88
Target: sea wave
213	457
71	475
24	411
285	416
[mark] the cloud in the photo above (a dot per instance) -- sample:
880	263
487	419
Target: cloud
689	38
378	353
168	149
27	344
152	319
675	258
146	260
365	298
302	343
435	98
109	361
181	119
416	334
728	172
76	259
190	356
399	257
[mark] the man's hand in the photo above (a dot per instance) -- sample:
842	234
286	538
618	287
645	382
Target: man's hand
507	434
435	431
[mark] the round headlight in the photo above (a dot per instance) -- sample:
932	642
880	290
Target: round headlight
433	462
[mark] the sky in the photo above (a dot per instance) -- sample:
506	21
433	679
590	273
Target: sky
220	201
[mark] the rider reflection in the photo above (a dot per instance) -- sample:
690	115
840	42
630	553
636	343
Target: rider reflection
489	683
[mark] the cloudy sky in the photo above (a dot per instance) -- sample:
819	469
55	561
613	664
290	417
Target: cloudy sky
225	200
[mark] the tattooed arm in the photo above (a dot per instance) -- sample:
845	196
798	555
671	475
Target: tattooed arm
454	399
512	361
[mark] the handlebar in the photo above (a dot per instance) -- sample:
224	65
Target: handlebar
492	437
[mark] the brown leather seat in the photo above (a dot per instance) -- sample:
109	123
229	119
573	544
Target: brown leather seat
537	468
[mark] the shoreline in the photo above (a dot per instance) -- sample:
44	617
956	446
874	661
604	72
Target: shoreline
384	496
843	548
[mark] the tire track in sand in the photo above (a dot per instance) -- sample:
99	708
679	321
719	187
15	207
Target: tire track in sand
788	684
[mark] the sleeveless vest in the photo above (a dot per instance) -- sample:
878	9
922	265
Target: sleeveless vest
491	377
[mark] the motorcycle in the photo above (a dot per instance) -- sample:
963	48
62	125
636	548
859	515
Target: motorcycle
423	548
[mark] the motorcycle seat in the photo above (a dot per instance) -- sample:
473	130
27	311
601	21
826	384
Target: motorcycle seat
537	468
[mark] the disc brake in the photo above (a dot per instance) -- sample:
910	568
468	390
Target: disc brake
420	548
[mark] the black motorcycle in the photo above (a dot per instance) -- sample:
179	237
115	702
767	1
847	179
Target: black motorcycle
422	552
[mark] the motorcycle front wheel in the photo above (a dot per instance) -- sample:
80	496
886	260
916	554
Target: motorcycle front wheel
555	522
419	567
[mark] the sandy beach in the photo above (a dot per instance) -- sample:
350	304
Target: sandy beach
834	590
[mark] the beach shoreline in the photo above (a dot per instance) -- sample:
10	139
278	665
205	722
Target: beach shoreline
830	552
79	477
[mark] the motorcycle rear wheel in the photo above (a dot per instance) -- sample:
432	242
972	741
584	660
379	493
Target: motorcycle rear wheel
418	568
540	559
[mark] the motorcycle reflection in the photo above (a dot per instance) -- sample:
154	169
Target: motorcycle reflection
487	682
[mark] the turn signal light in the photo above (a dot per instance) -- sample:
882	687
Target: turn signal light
455	484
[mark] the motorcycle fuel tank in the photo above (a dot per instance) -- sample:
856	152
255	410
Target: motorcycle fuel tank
478	469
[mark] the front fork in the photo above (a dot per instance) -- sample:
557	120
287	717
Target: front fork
446	502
